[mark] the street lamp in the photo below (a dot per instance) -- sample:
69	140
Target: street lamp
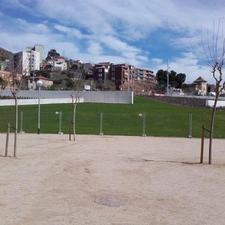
167	83
167	80
60	122
39	84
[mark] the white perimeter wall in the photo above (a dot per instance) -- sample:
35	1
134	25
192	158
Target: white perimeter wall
124	97
45	101
219	103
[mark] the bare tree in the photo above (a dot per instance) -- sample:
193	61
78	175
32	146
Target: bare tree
77	86
17	80
214	48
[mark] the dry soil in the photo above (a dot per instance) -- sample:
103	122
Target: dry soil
111	180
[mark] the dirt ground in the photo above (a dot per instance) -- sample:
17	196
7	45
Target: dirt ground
105	180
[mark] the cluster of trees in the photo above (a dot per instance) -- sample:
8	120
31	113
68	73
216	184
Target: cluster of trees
176	80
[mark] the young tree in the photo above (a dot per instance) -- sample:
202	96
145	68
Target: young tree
15	70
14	91
214	48
77	83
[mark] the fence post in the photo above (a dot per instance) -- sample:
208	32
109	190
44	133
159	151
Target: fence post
190	125
202	144
70	132
60	123
101	124
7	140
144	125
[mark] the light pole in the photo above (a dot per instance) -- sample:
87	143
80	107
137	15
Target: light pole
143	116
167	80
167	85
101	124
190	125
60	122
39	83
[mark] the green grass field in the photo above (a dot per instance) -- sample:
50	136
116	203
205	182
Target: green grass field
162	119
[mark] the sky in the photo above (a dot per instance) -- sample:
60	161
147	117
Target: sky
145	33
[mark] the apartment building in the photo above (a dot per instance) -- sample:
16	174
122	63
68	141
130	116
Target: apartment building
143	74
88	69
121	73
101	71
41	50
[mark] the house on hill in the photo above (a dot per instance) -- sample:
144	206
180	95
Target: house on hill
32	82
200	86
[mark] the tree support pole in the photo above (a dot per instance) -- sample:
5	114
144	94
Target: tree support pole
7	140
16	127
202	144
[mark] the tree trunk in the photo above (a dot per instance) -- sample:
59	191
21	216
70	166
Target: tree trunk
212	123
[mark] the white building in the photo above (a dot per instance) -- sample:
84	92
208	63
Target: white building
31	61
60	64
41	50
57	63
27	61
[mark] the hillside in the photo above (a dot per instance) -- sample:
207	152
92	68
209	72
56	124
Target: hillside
5	54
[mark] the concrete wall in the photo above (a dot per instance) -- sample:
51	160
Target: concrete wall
8	102
220	104
186	101
195	101
125	97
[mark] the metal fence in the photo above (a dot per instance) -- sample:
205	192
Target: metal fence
105	123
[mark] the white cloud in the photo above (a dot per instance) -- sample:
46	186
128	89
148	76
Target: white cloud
98	15
188	64
31	27
157	61
114	27
70	31
94	48
129	52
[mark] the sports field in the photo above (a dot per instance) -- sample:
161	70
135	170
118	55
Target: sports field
162	119
111	180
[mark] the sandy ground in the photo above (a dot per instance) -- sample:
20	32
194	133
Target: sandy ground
111	181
